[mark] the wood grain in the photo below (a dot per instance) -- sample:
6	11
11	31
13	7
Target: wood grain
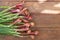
47	25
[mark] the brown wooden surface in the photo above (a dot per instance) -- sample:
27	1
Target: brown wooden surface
47	25
27	0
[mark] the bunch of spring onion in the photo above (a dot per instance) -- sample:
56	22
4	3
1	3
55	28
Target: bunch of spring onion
10	17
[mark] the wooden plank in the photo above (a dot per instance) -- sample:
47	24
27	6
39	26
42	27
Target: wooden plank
28	0
37	7
46	20
10	0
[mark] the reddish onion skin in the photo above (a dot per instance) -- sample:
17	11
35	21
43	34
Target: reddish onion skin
22	29
32	33
32	24
28	17
25	29
18	20
15	11
32	36
36	32
26	12
18	6
27	24
25	21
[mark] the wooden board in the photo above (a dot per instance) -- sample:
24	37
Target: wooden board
47	25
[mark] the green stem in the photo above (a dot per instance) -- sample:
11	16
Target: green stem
8	19
4	14
4	6
6	10
9	16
